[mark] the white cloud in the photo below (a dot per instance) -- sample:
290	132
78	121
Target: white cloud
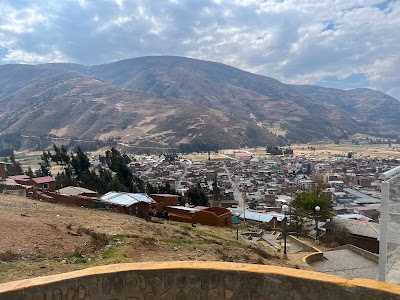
20	56
296	41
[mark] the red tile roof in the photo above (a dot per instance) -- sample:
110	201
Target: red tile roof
43	179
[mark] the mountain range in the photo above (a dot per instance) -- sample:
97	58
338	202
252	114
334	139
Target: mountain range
165	101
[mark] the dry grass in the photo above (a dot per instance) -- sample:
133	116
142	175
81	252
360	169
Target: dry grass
42	238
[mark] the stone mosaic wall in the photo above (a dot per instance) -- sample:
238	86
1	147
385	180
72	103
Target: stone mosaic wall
202	280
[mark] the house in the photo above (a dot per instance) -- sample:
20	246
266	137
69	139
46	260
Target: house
21	179
212	216
128	203
46	183
164	200
271	219
77	191
364	235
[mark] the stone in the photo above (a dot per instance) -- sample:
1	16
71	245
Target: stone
194	294
256	296
213	293
142	280
93	290
181	281
131	283
118	285
39	296
155	281
57	294
166	296
193	280
254	283
81	292
228	294
149	296
181	296
169	281
106	286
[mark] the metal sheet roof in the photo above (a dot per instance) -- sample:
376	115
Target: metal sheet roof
126	199
356	227
362	198
75	191
259	217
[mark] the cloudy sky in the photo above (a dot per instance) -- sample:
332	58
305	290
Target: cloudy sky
335	43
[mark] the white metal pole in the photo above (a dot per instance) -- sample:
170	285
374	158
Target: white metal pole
383	235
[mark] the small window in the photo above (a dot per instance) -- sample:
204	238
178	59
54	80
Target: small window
45	186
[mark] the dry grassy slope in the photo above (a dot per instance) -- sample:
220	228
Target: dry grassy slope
377	111
73	105
222	87
116	99
37	237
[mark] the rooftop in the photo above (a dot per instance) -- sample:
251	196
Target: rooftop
126	199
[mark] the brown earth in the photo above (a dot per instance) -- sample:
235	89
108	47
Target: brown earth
41	238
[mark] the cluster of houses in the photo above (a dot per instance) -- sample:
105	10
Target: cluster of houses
265	183
140	205
251	185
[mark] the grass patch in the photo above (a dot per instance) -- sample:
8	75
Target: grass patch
186	227
178	241
262	253
98	239
224	240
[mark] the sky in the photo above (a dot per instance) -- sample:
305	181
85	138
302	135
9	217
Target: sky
334	43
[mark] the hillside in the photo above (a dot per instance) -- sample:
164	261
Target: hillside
375	110
42	238
165	101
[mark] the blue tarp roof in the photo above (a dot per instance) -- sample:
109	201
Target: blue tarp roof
126	199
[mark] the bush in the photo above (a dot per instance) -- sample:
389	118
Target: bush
339	237
8	256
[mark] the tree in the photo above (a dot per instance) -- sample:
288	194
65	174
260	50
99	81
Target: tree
116	185
304	203
216	189
339	236
80	163
15	167
165	188
274	150
29	172
116	163
150	189
197	196
44	165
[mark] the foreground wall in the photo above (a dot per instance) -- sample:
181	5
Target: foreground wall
195	280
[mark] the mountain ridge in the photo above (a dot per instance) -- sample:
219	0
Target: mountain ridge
172	100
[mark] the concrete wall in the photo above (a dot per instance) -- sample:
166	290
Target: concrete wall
193	281
364	253
212	216
54	197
